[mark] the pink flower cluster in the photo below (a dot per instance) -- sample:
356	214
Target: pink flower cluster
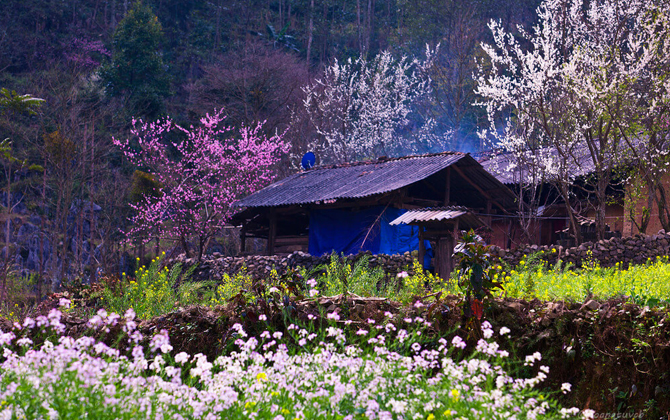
201	171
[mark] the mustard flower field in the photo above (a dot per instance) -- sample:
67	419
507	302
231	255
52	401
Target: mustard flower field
645	285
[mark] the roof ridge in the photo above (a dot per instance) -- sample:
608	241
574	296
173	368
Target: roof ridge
382	159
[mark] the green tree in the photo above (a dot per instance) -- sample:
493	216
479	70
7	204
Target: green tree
137	70
12	103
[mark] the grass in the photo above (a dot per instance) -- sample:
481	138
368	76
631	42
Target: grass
644	285
342	276
20	297
157	290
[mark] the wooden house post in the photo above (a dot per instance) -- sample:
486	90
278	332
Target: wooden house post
447	188
422	245
445	249
272	232
443	257
489	217
454	238
243	239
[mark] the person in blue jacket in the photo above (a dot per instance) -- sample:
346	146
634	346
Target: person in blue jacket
428	256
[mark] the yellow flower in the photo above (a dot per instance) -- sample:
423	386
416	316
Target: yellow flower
249	404
261	377
284	411
448	413
431	416
454	394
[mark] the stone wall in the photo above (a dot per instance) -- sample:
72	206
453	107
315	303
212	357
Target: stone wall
259	266
635	249
626	251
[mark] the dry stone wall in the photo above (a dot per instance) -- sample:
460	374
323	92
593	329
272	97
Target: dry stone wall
260	266
636	249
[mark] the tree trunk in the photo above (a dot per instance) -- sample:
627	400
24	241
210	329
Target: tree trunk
663	209
184	245
217	38
358	25
8	222
310	32
80	235
574	225
646	213
112	14
601	205
368	25
42	231
91	214
3	289
64	236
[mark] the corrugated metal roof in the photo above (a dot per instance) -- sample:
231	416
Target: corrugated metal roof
505	166
356	180
439	214
428	214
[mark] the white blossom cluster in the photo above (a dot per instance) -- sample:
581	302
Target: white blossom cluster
358	106
587	86
64	377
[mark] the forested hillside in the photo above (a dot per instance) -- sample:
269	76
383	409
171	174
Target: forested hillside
99	64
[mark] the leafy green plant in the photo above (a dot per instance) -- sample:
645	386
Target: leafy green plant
476	273
341	276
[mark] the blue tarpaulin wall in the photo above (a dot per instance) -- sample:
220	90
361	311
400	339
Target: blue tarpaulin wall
350	232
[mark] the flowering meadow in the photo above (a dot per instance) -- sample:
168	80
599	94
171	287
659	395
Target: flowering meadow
47	374
348	343
645	285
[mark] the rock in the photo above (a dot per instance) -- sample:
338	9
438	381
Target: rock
517	306
592	305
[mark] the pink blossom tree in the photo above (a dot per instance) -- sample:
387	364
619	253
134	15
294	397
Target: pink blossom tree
198	178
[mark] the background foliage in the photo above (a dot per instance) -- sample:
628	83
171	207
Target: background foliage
98	63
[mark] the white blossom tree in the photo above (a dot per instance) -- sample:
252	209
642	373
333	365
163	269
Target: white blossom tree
358	107
576	90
